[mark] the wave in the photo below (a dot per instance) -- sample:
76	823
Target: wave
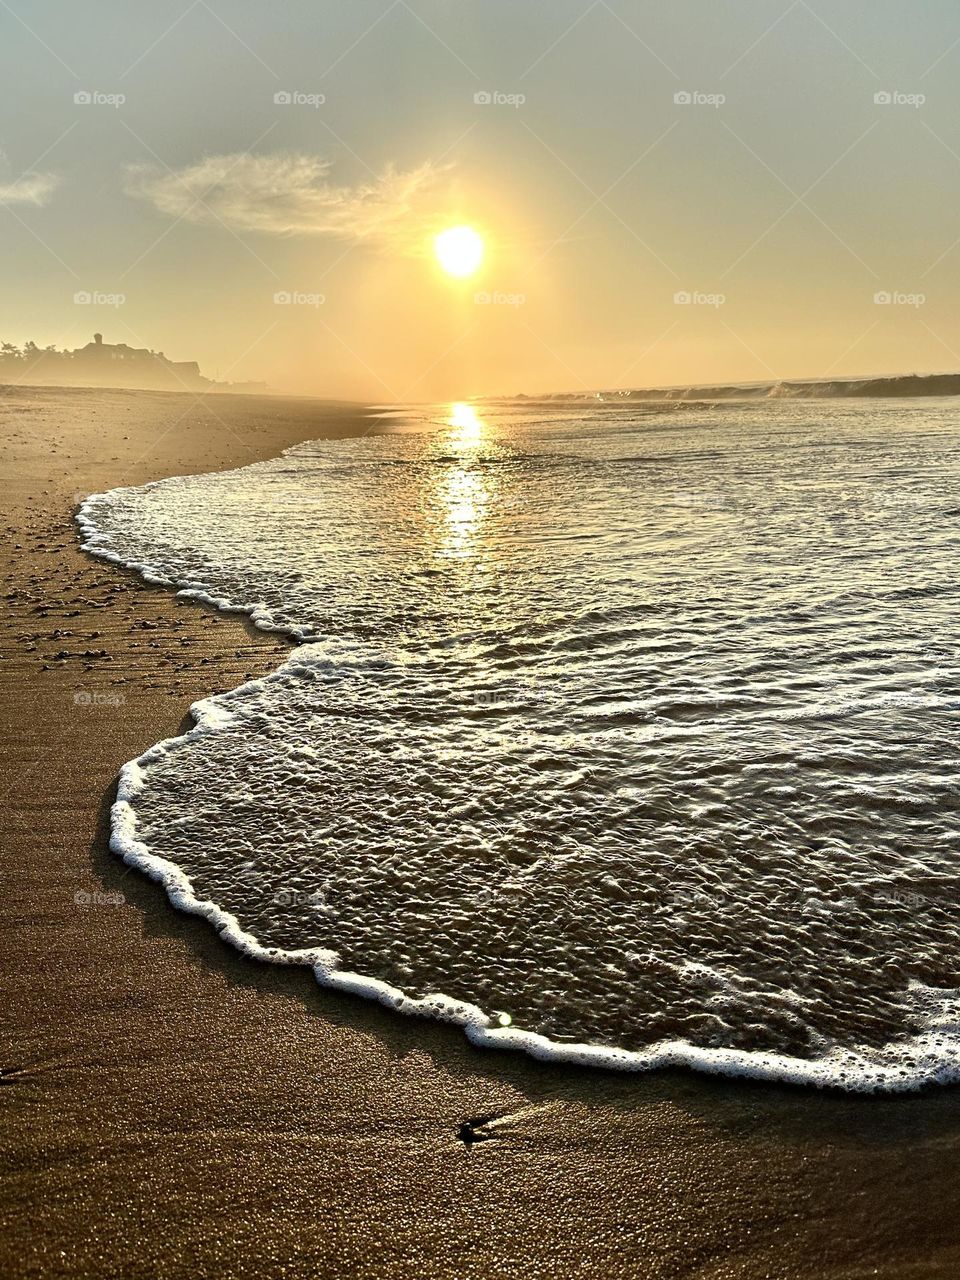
908	385
579	810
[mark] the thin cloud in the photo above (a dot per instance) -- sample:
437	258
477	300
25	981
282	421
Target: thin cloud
31	188
288	194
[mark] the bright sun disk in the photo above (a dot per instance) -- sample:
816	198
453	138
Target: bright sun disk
459	250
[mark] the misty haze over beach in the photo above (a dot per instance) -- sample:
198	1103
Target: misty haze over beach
482	496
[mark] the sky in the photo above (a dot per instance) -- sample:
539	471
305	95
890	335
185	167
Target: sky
694	192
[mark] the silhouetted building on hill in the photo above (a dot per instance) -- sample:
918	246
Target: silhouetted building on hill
104	364
110	360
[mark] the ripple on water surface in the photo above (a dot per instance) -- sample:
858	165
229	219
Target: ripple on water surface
623	737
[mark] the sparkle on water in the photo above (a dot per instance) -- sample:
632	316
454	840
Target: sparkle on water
624	729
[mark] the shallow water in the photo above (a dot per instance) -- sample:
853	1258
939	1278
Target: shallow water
619	735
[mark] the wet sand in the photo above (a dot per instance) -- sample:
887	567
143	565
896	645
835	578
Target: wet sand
171	1109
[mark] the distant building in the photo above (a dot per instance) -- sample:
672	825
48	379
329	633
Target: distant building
104	364
138	363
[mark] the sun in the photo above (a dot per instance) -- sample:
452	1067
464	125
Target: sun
459	250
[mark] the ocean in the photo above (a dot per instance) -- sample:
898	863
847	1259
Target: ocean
618	733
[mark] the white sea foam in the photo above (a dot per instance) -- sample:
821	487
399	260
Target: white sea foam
596	774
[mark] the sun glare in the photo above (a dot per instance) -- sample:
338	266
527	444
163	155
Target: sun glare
464	418
459	250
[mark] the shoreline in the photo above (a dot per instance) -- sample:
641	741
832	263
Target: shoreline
173	1105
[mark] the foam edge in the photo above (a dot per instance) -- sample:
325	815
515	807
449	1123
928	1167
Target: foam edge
839	1069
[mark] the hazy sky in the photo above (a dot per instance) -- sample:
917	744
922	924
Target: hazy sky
782	210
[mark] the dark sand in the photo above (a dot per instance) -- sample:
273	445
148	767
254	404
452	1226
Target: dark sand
171	1109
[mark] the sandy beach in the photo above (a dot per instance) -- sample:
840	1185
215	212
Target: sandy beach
173	1109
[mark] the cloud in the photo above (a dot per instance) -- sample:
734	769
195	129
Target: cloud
287	194
31	188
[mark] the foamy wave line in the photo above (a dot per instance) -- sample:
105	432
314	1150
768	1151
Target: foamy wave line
97	543
935	1062
933	1056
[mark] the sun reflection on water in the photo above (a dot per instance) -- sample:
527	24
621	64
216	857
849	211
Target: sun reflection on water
464	491
468	426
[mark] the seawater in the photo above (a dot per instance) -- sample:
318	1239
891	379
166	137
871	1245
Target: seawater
620	734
